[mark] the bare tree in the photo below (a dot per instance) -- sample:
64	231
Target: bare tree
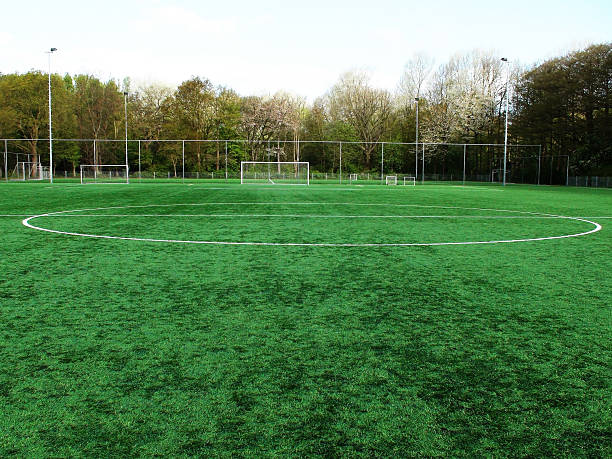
149	110
98	108
368	110
264	119
412	82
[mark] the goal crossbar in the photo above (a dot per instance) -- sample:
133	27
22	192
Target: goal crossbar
275	172
104	173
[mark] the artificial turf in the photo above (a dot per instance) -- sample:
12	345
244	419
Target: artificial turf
113	347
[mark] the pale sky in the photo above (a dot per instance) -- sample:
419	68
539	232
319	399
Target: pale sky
260	47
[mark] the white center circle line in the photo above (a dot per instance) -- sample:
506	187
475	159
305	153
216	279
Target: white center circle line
597	227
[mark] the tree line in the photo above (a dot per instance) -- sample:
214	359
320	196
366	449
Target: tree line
562	104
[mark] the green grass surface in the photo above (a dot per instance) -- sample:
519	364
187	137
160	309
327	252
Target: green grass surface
114	347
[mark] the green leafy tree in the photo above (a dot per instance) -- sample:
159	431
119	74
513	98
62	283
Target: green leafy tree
564	104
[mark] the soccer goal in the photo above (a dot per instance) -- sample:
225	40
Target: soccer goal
391	180
104	173
27	170
497	175
275	172
352	178
409	180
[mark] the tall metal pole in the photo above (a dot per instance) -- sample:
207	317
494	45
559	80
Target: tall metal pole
539	162
50	121
95	160
464	151
423	167
340	163
506	130
416	142
139	169
6	160
183	161
127	165
226	160
382	163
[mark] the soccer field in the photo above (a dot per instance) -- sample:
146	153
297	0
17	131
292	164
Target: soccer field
215	319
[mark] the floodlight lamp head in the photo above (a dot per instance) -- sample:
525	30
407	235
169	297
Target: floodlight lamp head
125	93
416	99
505	59
52	49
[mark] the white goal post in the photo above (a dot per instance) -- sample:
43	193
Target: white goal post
275	172
352	178
391	180
28	170
409	180
104	173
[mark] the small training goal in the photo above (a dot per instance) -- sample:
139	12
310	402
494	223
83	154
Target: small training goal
275	172
104	173
409	180
352	178
391	180
27	170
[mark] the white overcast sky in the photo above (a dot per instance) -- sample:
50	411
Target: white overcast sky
260	47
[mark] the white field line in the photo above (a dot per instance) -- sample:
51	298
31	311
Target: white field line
301	203
304	216
597	227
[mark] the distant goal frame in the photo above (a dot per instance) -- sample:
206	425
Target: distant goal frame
391	180
243	180
125	181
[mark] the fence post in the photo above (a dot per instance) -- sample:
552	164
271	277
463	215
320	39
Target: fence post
382	163
340	163
464	151
539	162
423	168
139	168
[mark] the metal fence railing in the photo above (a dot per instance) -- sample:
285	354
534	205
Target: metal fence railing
591	181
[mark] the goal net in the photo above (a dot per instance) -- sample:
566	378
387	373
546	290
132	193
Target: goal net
275	172
104	173
391	180
352	178
27	170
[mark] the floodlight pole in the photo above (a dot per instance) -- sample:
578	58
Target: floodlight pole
127	167
50	123
416	142
506	130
